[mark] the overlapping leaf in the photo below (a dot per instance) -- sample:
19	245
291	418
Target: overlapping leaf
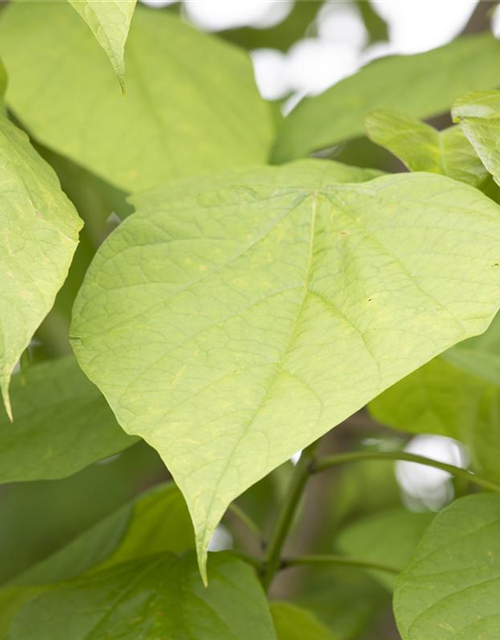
191	104
38	237
62	424
451	586
479	116
109	21
158	596
423	148
455	395
255	312
431	81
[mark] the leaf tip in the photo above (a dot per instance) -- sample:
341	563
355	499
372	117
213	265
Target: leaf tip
6	397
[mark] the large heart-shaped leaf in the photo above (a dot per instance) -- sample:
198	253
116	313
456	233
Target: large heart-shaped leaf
109	21
431	81
479	115
38	237
451	586
62	424
158	596
191	104
250	313
455	395
423	148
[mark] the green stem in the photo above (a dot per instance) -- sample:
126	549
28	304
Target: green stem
284	520
337	560
246	520
341	458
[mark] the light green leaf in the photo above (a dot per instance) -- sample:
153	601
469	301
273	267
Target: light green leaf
423	148
451	586
479	115
158	596
38	237
191	105
455	395
56	407
257	311
109	21
387	538
431	81
296	623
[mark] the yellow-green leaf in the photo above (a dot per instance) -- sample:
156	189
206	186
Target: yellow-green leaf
479	115
252	313
423	148
38	237
109	21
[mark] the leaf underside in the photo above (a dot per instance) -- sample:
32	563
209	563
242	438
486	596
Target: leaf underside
250	317
109	21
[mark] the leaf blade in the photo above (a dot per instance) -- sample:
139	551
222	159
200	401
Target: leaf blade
109	21
39	238
479	115
257	311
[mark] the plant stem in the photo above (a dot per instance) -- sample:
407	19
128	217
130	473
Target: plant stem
246	520
284	520
338	560
330	461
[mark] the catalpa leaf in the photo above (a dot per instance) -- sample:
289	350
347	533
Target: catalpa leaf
256	310
192	105
296	623
479	115
158	596
38	237
431	81
109	21
451	586
423	148
62	424
456	395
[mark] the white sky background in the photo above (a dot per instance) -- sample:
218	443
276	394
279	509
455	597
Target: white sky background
336	47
